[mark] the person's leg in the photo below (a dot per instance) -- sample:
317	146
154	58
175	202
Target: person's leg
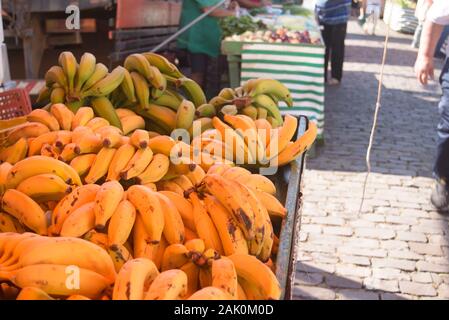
326	32
198	64
338	50
444	36
440	196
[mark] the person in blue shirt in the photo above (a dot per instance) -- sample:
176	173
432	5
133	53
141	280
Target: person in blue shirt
333	16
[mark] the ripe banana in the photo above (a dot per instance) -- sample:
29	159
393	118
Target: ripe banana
107	200
58	95
138	163
169	285
44	117
26	210
122	222
285	135
32	293
271	203
204	225
185	115
142	89
35	146
259	182
184	207
264	130
105	86
169	186
140	139
101	164
82	117
173	226
162	144
210	293
156	170
119	255
68	153
111	136
162	116
184	182
224	276
44	187
123	112
10	224
97	123
16	152
63	114
83	163
26	130
192	271
120	160
85	71
69	64
79	222
175	256
149	209
131	123
88	143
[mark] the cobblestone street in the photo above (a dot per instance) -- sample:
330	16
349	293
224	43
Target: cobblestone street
398	247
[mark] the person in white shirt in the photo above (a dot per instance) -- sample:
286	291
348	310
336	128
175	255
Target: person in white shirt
437	19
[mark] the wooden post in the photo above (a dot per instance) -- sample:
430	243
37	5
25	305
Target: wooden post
34	43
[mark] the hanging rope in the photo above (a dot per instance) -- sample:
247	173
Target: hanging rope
376	111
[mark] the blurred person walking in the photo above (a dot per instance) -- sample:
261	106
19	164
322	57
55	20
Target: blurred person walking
333	16
437	18
420	13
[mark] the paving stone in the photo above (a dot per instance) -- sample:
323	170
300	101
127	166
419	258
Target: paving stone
347	294
382	285
425	248
376	233
411	236
304	278
313	293
418	289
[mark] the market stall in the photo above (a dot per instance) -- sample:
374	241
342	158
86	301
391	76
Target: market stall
97	180
286	47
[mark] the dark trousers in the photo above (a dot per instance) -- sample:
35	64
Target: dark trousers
334	40
441	168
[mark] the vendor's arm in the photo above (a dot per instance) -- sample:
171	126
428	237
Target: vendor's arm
249	4
219	12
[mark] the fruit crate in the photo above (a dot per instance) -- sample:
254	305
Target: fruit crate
288	181
14	106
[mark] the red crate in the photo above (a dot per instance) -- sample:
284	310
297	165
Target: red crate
14	103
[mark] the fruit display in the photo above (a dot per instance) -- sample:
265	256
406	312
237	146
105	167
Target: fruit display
280	35
238	25
95	190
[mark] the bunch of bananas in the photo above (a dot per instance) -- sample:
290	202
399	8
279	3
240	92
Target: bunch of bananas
81	84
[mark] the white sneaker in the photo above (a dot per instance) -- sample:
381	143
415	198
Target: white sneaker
333	82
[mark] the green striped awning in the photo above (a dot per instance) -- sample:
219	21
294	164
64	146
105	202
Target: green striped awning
299	67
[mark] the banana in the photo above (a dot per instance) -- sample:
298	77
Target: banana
235	173
122	222
52	279
63	115
162	116
127	87
35	146
265	102
141	88
150	210
264	130
250	111
262	113
227	93
167	99
140	239
233	202
192	271
274	123
218	169
196	176
97	123
200	126
107	200
268	243
184	183
111	136
173	224
140	139
58	95
162	144
175	256
206	110
156	170
250	290
104	108
77	297
162	64
231	235
97	238
108	84
77	198
101	164
86	69
69	64
258	182
55	75
169	285
88	143
26	130
32	293
292	151
234	141
26	210
185	115
68	153
193	91
139	64
285	135
210	293
10	224
271	203
158	81
16	152
204	225
258	274
224	276
79	222
138	163
273	88
83	163
131	123
241	295
82	117
123	112
169	186
183	206
44	117
37	165
229	109
119	255
219	102
44	187
134	279
120	160
100	72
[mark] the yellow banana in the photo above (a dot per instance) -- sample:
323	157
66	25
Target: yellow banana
86	70
122	222
100	72
184	207
231	235
26	130
218	169
55	75
4	171
138	163
44	117
82	164
35	146
26	210
101	165
224	276
77	297
149	209
107	200
97	123
120	160
63	114
196	176
63	138
15	153
285	135
162	144
134	279
139	64
204	225
169	285
88	143
210	293
156	170
259	182
173	226
82	117
37	165
192	271
119	255
106	85
271	203
79	222
185	115
236	173
32	293
184	182
68	153
104	109
127	87
162	116
142	89
110	136
175	256
162	64
44	187
131	123
140	139
69	64
10	224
